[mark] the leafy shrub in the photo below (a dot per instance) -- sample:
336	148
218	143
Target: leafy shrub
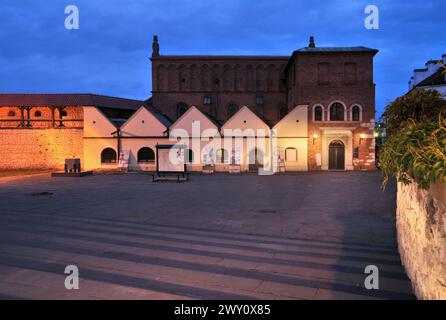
416	138
416	152
419	106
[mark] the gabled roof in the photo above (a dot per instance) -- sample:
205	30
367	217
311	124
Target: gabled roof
207	115
158	115
154	112
70	99
240	110
437	78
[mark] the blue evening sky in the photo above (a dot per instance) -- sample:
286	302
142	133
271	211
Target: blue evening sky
110	52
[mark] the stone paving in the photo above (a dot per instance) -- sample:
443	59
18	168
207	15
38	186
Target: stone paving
300	236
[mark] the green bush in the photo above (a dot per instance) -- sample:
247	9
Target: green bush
416	153
415	149
419	106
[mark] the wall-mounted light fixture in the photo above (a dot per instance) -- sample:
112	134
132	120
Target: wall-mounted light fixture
314	137
361	136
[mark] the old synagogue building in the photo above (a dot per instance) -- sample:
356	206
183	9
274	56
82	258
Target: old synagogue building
319	100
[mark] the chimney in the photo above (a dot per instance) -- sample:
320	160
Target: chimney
311	44
155	47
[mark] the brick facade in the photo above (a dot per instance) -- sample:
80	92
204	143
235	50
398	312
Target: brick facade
228	83
273	86
39	148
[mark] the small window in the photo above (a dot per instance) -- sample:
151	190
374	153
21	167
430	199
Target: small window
290	154
259	100
37	114
11	114
146	155
189	156
207	100
356	113
356	153
336	112
108	155
318	113
222	156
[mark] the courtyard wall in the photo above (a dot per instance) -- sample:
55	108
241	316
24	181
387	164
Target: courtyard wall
421	229
39	148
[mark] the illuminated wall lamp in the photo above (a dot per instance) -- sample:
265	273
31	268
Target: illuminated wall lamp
361	136
314	137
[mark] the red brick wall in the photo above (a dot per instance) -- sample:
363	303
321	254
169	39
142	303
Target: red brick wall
308	89
39	148
74	118
230	80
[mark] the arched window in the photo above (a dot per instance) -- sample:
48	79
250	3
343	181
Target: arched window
283	111
291	154
336	112
146	155
108	155
188	156
222	156
356	113
318	113
232	109
37	114
181	109
11	114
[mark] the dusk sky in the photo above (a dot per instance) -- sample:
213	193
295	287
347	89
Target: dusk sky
109	54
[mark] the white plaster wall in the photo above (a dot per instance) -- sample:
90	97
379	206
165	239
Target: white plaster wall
96	124
301	144
191	116
135	144
92	153
245	119
143	124
294	124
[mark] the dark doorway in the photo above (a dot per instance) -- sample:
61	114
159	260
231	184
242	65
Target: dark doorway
336	157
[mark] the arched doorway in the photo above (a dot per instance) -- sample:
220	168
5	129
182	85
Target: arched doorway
336	155
255	159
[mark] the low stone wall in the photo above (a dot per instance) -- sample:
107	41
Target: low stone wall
39	148
421	228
